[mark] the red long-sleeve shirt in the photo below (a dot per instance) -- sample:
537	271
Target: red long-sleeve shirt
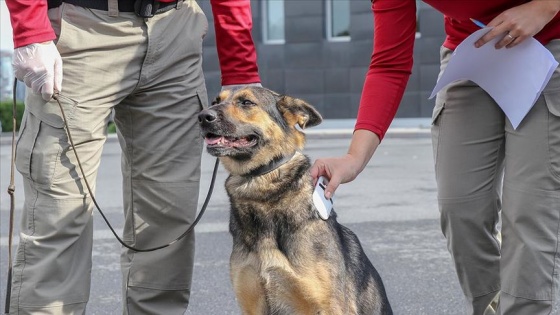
394	35
232	22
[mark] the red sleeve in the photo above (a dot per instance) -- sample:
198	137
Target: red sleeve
30	22
236	51
391	64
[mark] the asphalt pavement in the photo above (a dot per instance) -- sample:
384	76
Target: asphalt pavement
391	206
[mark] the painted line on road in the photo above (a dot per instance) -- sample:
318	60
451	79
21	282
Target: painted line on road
106	234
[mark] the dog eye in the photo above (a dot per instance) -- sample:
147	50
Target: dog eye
215	101
247	103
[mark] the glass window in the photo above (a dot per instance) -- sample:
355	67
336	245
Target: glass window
273	21
338	19
6	76
418	4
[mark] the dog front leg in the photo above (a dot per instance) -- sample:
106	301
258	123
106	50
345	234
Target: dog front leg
291	293
248	290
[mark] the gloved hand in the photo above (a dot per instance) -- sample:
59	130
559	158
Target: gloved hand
40	67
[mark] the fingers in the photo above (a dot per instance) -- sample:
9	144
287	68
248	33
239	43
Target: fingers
47	91
515	25
330	168
333	184
506	32
508	40
58	75
314	171
319	168
35	80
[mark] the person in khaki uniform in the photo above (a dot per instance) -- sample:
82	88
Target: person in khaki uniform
485	170
146	65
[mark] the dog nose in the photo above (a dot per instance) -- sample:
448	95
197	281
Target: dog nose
207	116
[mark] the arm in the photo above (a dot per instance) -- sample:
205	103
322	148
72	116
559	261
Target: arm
521	22
391	64
30	22
236	50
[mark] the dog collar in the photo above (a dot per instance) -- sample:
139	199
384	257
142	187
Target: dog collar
267	168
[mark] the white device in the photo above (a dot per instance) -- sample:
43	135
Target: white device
323	205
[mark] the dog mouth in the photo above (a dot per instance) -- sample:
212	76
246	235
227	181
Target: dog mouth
219	141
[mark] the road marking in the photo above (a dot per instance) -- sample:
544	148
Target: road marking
106	234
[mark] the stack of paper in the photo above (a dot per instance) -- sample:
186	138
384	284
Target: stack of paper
514	77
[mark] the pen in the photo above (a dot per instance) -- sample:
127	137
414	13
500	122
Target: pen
478	23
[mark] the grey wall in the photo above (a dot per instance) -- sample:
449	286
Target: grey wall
330	75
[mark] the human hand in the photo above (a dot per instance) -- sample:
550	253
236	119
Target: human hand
338	170
40	67
344	169
520	23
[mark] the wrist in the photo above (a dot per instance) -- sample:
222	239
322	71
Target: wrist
363	145
549	6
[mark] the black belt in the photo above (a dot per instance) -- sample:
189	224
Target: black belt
124	5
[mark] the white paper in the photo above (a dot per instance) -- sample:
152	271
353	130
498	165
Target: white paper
514	77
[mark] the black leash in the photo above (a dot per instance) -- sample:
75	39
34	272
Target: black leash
11	190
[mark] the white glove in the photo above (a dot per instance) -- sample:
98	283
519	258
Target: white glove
40	67
234	86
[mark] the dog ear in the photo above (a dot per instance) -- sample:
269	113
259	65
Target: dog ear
296	111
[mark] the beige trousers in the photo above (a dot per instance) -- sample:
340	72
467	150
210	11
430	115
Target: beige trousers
499	196
150	73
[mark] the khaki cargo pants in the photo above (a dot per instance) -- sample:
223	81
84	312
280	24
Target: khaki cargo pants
150	73
486	170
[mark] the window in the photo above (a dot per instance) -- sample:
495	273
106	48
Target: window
273	21
418	4
338	20
6	76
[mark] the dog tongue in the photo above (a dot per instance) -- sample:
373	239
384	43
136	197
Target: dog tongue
229	142
219	141
212	141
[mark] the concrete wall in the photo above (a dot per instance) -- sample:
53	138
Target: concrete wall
327	74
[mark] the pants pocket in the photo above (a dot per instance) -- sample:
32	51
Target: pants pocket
202	98
38	150
436	126
42	140
552	100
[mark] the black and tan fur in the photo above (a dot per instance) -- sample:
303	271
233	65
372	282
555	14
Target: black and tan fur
285	258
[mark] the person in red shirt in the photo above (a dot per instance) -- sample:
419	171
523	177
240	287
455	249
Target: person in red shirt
144	65
485	169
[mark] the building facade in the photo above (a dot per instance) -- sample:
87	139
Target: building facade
6	75
320	50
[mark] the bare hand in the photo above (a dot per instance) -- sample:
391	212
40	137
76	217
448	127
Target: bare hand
519	23
338	170
344	169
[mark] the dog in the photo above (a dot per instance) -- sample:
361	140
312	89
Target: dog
285	258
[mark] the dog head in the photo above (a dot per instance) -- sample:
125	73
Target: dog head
252	126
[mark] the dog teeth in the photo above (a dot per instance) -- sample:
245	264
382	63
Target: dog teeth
228	141
212	141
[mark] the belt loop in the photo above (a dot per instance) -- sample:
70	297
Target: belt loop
113	8
179	4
